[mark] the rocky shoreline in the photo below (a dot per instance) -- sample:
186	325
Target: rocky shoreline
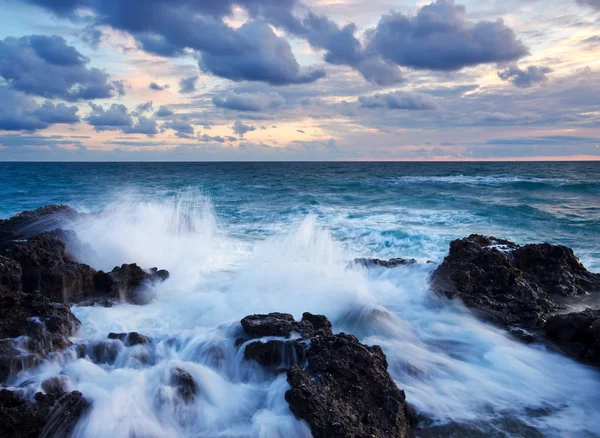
339	386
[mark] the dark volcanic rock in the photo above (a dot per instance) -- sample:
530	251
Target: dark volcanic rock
52	415
346	391
129	283
47	267
577	334
185	384
29	223
130	339
392	263
10	276
511	284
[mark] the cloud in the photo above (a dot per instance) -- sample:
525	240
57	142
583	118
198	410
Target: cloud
188	85
46	66
164	111
19	112
241	129
115	117
205	138
144	107
592	3
440	38
154	86
398	100
532	75
144	125
182	128
269	58
249	102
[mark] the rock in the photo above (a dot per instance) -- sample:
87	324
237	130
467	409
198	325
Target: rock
46	267
55	385
32	323
10	276
510	284
277	355
30	223
577	334
129	283
185	384
392	263
130	339
52	415
275	324
346	391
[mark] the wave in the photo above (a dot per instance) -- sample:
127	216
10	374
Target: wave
455	369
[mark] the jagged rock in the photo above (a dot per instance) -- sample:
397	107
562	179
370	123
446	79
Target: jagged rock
346	391
30	223
185	384
55	385
10	276
46	267
275	324
392	263
130	339
577	334
129	283
52	414
510	284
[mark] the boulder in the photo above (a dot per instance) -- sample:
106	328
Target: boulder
339	386
510	284
129	283
577	334
48	268
53	414
184	384
30	223
130	339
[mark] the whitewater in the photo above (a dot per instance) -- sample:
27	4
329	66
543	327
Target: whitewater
463	376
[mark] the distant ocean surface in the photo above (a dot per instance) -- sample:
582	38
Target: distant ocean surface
243	238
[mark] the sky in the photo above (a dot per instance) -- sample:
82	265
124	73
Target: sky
229	80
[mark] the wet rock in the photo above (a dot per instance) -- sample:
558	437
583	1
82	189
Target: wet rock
275	324
185	384
52	415
319	322
277	355
30	223
129	283
47	267
10	276
577	334
346	391
510	284
55	385
130	339
392	263
104	352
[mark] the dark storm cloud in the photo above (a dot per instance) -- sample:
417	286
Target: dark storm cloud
240	128
47	66
19	112
399	100
593	3
269	58
188	85
248	102
532	75
154	86
439	37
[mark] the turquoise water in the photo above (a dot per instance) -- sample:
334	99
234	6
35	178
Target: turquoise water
260	237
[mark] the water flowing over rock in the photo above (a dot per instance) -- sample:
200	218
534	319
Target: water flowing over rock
345	389
129	283
53	415
392	263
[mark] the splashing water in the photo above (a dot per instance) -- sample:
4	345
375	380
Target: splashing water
455	370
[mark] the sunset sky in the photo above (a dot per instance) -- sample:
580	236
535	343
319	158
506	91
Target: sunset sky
290	80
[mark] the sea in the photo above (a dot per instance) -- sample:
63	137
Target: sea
246	238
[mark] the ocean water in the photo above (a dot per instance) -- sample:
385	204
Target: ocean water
243	238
